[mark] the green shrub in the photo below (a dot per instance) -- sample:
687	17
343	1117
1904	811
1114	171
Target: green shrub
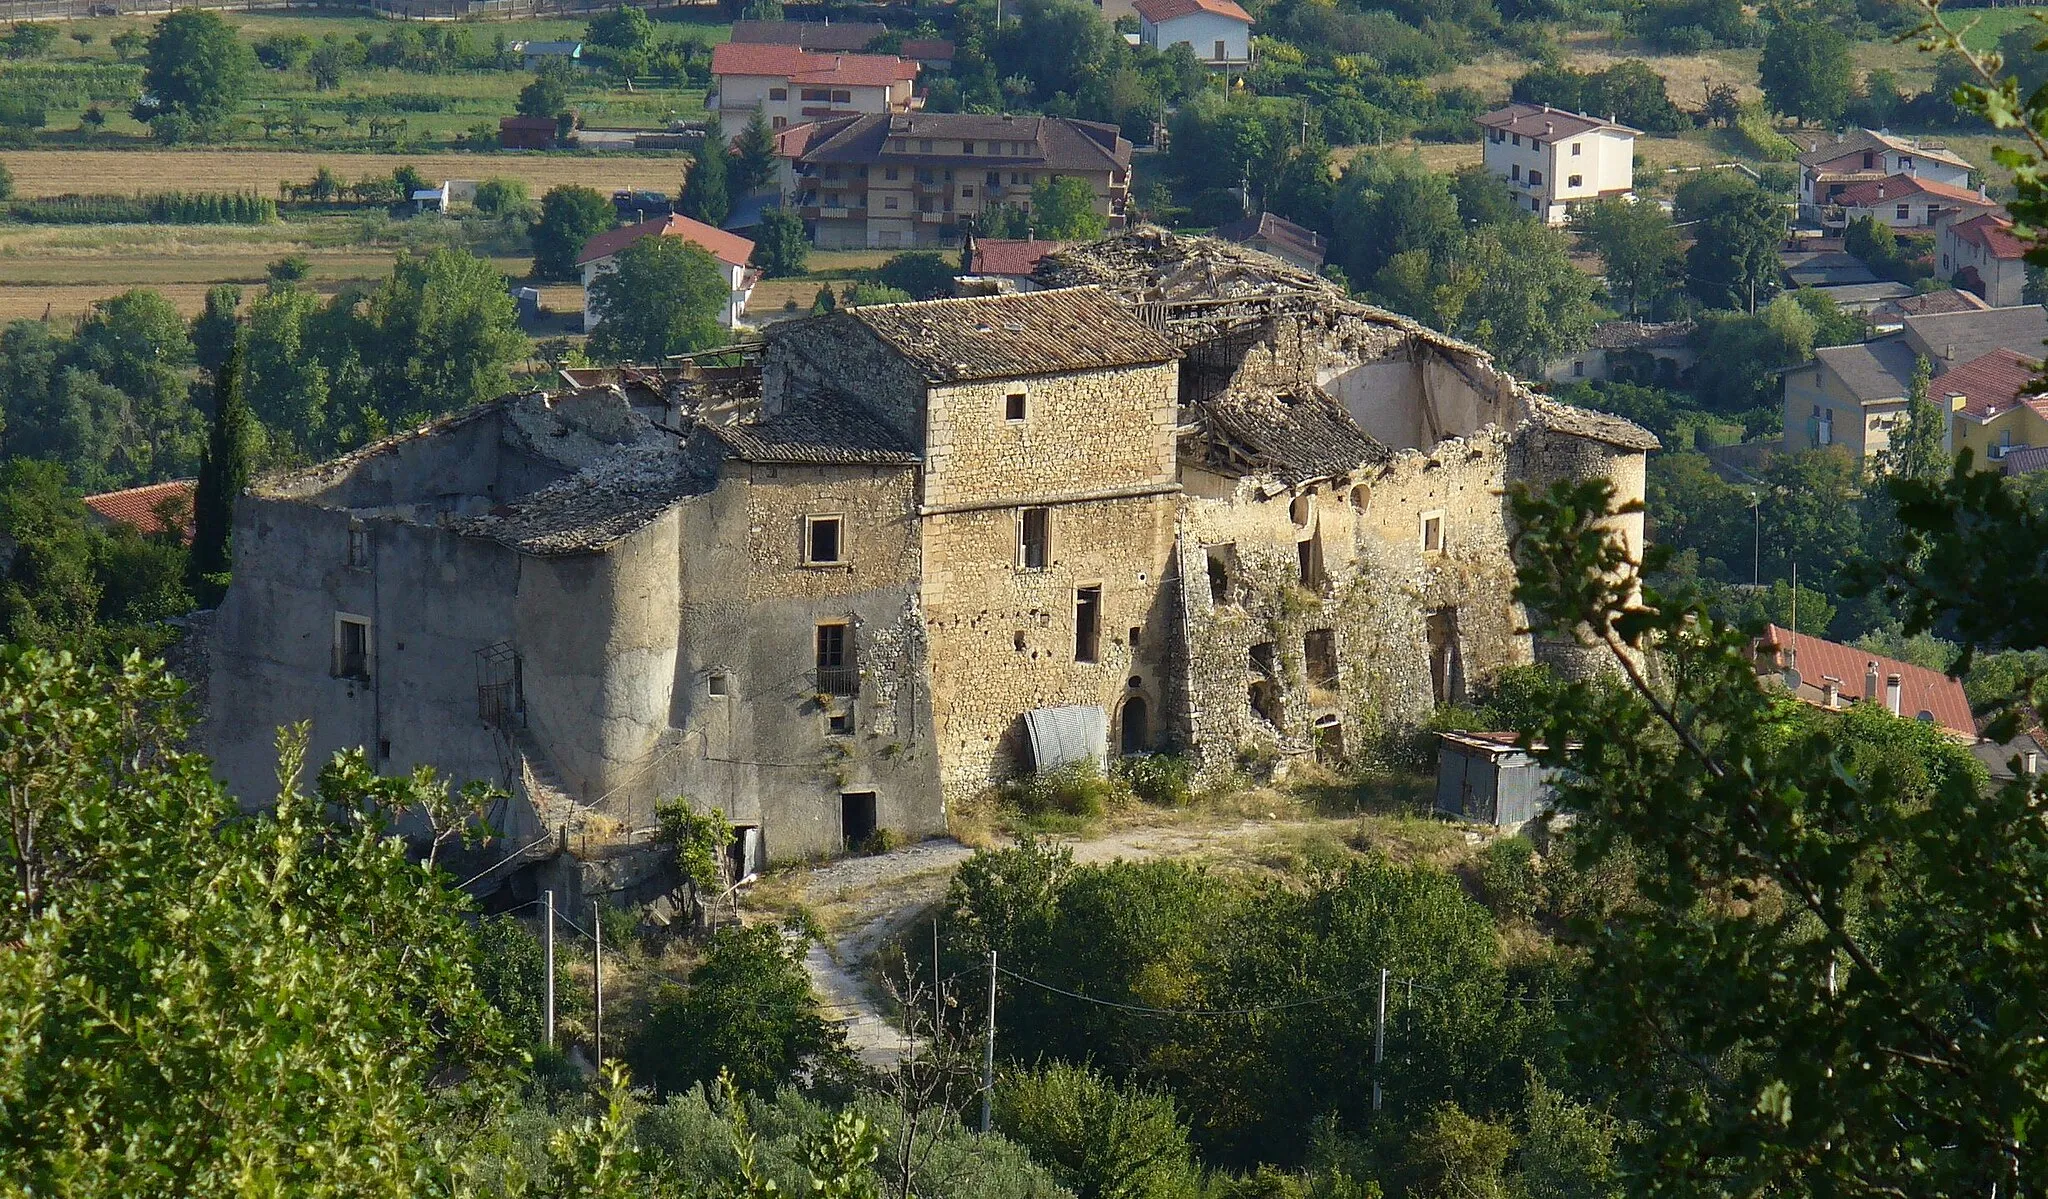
1510	880
1097	1137
1164	779
1077	789
1757	138
882	840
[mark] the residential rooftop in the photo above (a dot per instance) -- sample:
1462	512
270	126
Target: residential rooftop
1541	121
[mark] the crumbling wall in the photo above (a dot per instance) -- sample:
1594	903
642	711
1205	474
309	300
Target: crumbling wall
767	751
836	353
1253	685
432	598
1543	456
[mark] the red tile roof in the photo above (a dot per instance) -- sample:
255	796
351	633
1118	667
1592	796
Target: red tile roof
138	507
1541	120
1010	256
1156	11
1894	188
799	65
729	248
1989	385
928	49
1993	232
1920	689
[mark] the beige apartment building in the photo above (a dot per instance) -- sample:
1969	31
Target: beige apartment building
902	180
1553	159
791	86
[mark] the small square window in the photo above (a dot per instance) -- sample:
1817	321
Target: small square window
1576	147
1137	635
839	724
889	203
967	193
1905	212
823	545
1576	181
1013	406
967	147
719	683
1433	532
889	172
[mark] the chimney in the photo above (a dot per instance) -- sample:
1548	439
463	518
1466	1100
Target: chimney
1948	351
1549	127
1831	693
1870	681
2032	762
1891	694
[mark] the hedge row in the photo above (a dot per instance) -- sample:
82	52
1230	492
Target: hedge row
161	208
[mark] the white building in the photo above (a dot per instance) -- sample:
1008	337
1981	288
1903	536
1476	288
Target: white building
1865	155
600	254
791	86
1907	203
1218	31
1554	159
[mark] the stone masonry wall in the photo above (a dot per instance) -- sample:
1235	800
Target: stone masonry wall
1081	432
1378	586
837	353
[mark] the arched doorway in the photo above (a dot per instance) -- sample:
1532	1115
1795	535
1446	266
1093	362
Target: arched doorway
1137	731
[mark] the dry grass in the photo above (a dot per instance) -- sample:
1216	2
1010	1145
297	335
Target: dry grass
56	172
74	300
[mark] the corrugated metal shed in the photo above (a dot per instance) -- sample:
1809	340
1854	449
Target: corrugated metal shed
1066	735
1485	778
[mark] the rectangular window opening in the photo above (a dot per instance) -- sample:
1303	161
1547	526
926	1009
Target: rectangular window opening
358	544
351	647
1432	532
836	672
718	683
1013	406
1088	624
839	724
1034	538
1319	657
822	542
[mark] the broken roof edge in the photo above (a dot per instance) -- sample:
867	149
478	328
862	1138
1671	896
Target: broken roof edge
317	476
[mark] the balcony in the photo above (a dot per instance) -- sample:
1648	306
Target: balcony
838	680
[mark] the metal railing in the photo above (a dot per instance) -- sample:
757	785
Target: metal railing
838	680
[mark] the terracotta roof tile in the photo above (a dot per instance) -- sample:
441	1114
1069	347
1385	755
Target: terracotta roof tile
728	248
138	507
1894	188
1156	11
1012	256
1920	689
1989	385
779	61
1994	233
1859	140
1540	121
1009	337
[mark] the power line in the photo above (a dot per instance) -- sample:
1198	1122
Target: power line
1145	1010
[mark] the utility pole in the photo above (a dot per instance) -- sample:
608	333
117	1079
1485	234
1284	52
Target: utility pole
549	941
1795	597
988	1050
1756	547
1379	1040
938	986
597	981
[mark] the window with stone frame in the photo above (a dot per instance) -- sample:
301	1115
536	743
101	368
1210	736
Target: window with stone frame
1088	624
824	540
1034	538
1433	537
351	647
837	674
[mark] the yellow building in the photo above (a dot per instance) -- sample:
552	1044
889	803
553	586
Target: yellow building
1994	410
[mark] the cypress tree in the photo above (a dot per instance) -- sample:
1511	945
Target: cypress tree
223	473
704	188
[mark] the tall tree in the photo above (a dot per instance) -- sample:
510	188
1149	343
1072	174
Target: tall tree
1918	448
1387	204
1529	304
1637	245
1733	262
570	215
1806	72
214	330
223	476
780	246
705	196
664	296
439	335
753	165
1065	209
197	67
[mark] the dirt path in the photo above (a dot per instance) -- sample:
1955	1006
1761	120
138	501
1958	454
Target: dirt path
872	900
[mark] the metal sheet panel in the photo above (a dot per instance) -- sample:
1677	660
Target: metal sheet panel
1065	735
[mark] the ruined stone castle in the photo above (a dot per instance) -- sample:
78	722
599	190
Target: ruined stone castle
1186	497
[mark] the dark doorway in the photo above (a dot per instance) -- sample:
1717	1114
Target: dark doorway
1137	731
856	817
1446	666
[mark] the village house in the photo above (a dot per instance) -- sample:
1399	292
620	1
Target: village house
1980	253
1652	353
1830	675
152	509
789	85
1995	405
1298	247
1183	498
1218	31
908	180
731	251
1867	156
1854	396
1001	264
535	55
1554	159
1906	203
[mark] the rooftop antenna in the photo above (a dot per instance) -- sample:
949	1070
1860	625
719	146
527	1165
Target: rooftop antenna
1795	597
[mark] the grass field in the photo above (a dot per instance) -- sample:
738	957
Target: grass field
55	172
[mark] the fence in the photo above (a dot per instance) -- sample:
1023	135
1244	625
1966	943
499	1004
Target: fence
409	10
